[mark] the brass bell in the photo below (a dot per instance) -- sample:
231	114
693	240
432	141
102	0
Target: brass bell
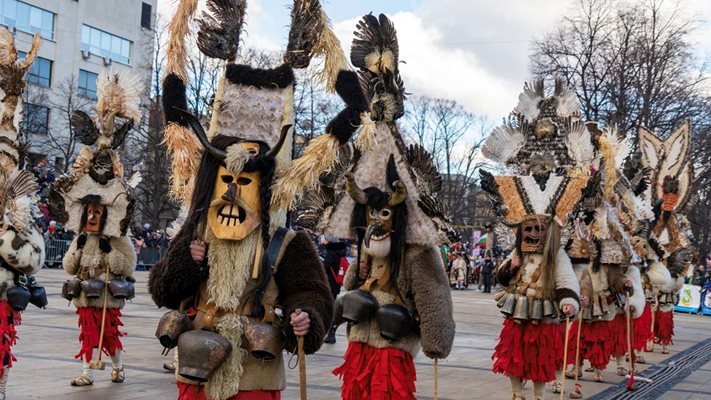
499	295
501	300
521	311
172	324
587	313
92	288
71	288
264	340
537	309
509	304
548	309
201	353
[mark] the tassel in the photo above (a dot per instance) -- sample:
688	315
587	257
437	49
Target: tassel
9	321
185	151
334	58
366	136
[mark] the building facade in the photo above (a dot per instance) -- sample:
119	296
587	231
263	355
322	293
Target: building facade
80	39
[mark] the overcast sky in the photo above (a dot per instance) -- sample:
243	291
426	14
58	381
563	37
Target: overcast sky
474	52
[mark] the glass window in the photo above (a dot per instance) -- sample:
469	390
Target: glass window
146	16
105	44
27	17
40	72
87	84
36	119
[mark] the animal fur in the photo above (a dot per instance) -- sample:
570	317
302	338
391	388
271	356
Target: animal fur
231	265
225	382
22	251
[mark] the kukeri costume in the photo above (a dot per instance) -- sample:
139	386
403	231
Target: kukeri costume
21	243
382	193
96	202
232	309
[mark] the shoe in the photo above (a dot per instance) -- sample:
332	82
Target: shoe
640	360
571	374
597	376
622	371
589	369
665	350
83	380
330	337
117	375
169	366
557	387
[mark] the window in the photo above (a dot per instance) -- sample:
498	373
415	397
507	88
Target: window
36	119
40	72
146	16
27	17
105	44
87	84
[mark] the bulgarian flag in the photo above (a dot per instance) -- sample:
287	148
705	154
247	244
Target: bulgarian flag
481	242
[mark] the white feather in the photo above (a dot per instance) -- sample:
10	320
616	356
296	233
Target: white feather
676	151
580	147
568	105
178	223
503	144
528	102
651	148
135	179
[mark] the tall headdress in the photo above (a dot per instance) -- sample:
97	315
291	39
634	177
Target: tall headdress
16	184
98	171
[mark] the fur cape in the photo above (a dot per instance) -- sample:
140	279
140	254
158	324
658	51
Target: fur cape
24	253
121	261
300	279
424	285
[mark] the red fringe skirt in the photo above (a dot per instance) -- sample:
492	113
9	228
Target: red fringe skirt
529	351
370	373
618	335
594	343
187	391
643	328
664	327
9	320
90	330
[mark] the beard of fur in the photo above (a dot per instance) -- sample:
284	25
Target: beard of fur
378	249
224	382
231	263
548	263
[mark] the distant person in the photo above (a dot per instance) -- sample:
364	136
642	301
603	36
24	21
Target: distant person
333	259
487	268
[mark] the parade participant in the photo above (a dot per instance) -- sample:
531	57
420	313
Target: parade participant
250	287
96	201
333	262
21	243
384	196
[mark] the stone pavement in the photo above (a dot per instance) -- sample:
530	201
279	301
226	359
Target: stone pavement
48	341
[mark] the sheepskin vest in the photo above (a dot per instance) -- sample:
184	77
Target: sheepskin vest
19	252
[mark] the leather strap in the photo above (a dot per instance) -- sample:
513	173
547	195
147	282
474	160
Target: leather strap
275	246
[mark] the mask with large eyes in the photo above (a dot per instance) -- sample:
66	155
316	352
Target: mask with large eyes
94	214
380	224
533	234
235	205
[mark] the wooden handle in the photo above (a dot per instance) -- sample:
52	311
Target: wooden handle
565	355
302	362
436	377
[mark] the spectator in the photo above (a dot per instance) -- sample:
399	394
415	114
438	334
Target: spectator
335	250
486	270
459	270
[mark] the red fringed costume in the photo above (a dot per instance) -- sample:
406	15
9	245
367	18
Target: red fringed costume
643	328
90	330
618	335
594	343
529	351
664	327
187	391
370	373
9	320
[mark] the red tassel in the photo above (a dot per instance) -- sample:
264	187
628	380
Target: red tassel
643	328
618	335
597	347
187	391
664	327
370	373
529	351
90	329
9	320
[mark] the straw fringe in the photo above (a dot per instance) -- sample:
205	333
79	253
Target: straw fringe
179	29
185	151
302	175
334	58
366	136
120	93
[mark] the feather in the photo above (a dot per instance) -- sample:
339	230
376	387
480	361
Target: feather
135	179
220	28
22	183
503	144
32	54
676	151
580	146
651	147
375	45
529	99
121	133
305	32
568	105
84	128
119	93
428	179
316	204
8	52
20	213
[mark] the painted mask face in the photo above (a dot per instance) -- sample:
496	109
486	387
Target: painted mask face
533	234
377	235
235	209
94	214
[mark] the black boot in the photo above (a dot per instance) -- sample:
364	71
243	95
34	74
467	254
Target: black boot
330	337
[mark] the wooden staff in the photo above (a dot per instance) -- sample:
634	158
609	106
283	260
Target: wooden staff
630	350
98	364
302	362
577	393
565	354
650	343
436	374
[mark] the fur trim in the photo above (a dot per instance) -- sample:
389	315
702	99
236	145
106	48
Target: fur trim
179	29
503	144
658	274
334	57
224	383
231	265
174	97
236	158
566	282
23	251
638	299
302	175
244	75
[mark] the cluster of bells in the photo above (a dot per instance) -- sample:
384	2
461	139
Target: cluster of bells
395	321
118	288
25	293
516	306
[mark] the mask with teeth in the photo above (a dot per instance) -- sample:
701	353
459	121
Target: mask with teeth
235	209
533	233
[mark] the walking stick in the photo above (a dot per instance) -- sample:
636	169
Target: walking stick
630	350
565	355
436	374
577	393
98	364
302	363
650	342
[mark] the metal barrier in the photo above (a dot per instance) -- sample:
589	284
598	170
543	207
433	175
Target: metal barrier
56	249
